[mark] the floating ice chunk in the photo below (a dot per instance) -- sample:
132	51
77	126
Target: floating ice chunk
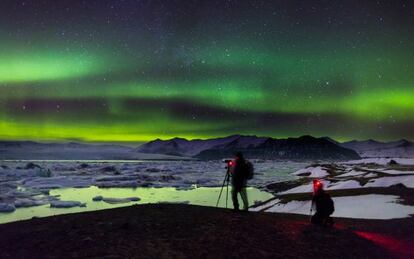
115	200
5	207
66	204
97	198
185	187
26	202
58	182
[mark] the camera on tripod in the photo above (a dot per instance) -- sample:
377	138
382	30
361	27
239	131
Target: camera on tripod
229	163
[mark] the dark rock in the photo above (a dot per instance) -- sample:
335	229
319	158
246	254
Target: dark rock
108	169
392	162
31	165
83	165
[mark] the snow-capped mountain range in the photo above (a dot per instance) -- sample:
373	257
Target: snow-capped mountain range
373	148
305	147
30	150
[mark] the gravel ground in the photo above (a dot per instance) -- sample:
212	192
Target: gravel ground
186	231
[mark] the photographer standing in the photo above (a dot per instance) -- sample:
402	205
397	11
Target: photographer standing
240	175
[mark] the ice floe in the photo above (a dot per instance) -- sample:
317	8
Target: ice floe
115	200
66	204
5	207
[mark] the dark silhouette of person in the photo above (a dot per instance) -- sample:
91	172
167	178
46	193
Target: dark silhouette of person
238	181
323	204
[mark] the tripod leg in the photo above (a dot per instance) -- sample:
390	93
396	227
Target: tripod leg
227	193
222	186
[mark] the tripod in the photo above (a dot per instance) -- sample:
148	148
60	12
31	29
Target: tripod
225	181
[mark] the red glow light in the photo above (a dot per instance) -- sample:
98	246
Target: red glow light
400	247
231	163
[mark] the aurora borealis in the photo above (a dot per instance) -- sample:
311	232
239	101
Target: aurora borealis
117	71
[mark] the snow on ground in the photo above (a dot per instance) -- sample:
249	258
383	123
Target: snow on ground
266	205
389	171
381	161
407	181
350	184
352	173
347	175
371	206
313	172
296	207
303	188
370	175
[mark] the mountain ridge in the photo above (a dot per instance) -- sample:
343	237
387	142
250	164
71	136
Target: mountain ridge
304	147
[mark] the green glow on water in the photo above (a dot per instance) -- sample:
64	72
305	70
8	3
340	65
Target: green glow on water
205	196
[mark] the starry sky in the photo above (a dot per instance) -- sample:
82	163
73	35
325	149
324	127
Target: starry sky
133	71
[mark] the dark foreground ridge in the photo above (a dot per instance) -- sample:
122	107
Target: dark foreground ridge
185	231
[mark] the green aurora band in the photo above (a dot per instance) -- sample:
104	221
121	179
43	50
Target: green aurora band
64	90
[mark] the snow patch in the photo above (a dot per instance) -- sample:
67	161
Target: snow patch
306	188
371	206
381	161
351	184
407	181
297	207
266	205
352	173
314	172
397	172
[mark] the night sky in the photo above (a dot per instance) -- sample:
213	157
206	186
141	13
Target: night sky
116	71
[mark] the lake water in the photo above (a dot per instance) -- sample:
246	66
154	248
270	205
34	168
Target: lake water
151	181
206	196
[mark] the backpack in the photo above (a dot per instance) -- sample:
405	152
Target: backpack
249	170
329	204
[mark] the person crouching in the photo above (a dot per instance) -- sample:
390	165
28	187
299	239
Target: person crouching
323	204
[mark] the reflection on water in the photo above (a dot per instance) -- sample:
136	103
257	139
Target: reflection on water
206	196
